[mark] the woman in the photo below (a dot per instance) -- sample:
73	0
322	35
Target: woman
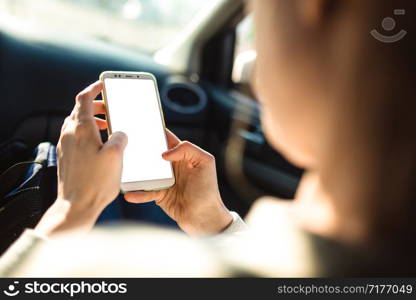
336	102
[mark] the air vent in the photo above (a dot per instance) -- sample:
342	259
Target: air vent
184	97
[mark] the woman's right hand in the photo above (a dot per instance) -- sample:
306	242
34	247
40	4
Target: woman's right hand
194	202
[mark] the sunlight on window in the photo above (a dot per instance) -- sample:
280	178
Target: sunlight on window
141	24
245	56
132	10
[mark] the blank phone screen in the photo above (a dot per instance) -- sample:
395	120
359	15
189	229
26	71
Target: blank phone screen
133	107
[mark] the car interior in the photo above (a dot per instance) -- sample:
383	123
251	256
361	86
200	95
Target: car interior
41	73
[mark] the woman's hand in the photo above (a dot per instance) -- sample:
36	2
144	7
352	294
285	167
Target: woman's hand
89	175
194	201
89	171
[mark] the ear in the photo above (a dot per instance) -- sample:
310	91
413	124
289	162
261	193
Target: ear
315	13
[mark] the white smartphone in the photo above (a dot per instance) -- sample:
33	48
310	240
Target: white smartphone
133	106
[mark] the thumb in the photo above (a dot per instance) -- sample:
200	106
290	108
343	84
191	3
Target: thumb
117	142
142	196
188	152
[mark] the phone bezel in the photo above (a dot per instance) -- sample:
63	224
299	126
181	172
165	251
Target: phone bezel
146	185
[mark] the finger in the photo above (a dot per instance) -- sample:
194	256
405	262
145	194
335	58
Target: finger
172	139
116	143
98	107
65	124
102	124
142	196
84	106
188	152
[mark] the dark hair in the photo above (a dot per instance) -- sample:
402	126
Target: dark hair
382	120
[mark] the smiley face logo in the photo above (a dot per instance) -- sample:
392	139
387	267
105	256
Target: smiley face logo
388	25
11	290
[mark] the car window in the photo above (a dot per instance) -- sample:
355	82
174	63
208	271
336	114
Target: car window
244	56
142	24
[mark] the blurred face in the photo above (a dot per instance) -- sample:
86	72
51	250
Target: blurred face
288	79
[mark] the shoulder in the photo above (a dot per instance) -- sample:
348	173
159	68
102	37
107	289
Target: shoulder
273	246
270	212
